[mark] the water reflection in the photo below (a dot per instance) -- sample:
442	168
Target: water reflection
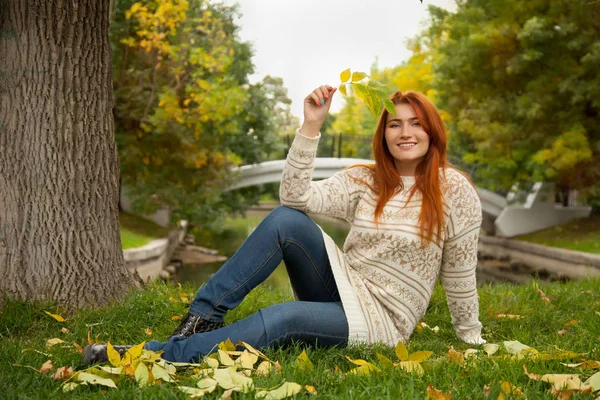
235	232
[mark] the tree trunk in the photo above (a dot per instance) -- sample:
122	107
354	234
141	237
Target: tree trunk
59	171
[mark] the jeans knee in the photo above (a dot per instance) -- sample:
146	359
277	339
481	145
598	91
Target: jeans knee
283	216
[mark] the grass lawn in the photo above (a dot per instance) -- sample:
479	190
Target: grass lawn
574	308
137	231
580	235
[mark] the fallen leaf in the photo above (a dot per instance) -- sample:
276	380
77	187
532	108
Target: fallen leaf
176	318
228	378
597	312
78	347
227	345
113	356
420	356
206	385
572	322
224	359
531	375
88	378
56	317
246	360
591	364
148	331
516	348
384	361
311	389
594	381
364	368
53	342
65	330
411	366
62	374
142	374
90	341
562	331
287	389
491	348
159	372
304	363
264	368
507	316
227	395
47	366
252	350
69	386
455	356
401	351
543	296
433	393
511	390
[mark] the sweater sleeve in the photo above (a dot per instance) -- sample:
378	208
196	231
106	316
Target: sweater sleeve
459	259
336	196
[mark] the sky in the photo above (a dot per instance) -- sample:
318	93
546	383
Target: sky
309	42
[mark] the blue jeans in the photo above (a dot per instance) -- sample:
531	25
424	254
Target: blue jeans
317	318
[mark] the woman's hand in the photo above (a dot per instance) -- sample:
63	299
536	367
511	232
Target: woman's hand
316	107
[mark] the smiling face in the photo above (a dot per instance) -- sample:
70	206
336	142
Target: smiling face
406	140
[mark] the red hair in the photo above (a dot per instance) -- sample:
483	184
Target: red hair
427	174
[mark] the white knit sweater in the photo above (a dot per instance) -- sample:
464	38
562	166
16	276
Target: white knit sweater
384	276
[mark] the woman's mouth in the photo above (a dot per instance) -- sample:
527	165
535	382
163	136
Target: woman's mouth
407	146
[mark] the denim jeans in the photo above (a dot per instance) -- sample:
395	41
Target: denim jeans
317	318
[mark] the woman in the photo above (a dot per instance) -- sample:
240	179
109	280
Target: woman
412	219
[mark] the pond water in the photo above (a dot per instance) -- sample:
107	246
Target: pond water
236	230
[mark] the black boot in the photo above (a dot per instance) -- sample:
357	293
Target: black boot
191	324
97	353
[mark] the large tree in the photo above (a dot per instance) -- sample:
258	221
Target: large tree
59	228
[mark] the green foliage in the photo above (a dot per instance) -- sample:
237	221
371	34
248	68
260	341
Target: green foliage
184	110
522	84
373	93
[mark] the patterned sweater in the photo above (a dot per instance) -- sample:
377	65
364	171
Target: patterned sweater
384	276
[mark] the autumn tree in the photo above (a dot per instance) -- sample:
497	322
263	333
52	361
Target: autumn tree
186	112
59	227
521	81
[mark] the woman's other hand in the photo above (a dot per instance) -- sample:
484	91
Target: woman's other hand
316	107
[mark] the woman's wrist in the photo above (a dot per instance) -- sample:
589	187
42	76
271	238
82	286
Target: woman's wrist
310	129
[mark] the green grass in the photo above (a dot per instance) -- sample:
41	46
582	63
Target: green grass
24	329
137	231
581	235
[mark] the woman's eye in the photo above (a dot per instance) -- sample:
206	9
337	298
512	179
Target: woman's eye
416	124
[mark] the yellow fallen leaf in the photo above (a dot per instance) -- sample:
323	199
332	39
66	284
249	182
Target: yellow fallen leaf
411	366
562	331
113	355
227	345
148	331
311	389
287	389
572	322
433	393
507	316
65	330
420	356
597	312
304	363
384	361
53	342
90	341
47	366
401	351
175	318
224	359
511	390
531	375
62	374
264	368
56	317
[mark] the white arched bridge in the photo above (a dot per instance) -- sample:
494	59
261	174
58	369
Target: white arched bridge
501	216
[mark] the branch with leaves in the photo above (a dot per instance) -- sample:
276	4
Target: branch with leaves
373	93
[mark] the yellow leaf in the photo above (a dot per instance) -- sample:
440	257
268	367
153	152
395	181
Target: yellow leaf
251	349
159	372
509	389
53	342
572	322
365	369
311	390
264	368
384	361
87	377
591	364
345	75
113	356
531	375
358	76
287	389
507	316
65	330
433	393
56	317
594	381
224	359
543	296
247	360
227	345
187	102
597	312
175	318
343	90
304	362
491	348
212	362
47	366
142	375
90	341
420	356
401	351
148	331
412	366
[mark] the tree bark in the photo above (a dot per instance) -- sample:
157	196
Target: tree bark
59	170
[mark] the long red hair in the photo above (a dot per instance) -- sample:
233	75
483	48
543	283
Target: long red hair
427	175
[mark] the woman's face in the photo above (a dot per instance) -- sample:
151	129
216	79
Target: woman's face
406	140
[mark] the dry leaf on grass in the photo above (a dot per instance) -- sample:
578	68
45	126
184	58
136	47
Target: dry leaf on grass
56	317
433	393
62	374
47	366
